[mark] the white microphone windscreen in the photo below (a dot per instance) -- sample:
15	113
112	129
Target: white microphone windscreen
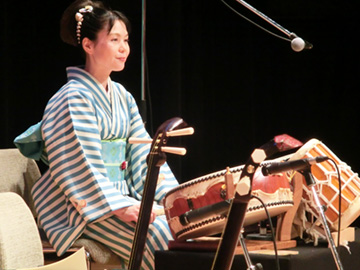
297	44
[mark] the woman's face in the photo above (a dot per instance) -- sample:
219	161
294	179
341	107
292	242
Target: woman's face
111	50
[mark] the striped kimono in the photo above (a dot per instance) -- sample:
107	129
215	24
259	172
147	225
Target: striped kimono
76	196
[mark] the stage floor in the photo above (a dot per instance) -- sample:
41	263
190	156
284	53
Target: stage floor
308	257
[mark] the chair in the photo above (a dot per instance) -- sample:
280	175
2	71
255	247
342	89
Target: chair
75	261
20	243
18	175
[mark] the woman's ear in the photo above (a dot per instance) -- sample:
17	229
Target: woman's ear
87	45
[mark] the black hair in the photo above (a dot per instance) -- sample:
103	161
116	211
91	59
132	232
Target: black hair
93	22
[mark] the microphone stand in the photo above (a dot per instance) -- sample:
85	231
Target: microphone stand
310	181
250	266
143	109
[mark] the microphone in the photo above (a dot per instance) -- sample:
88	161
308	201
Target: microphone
294	165
298	44
192	216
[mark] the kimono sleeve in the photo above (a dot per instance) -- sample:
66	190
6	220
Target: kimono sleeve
136	156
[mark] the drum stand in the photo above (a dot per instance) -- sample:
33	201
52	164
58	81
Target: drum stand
310	181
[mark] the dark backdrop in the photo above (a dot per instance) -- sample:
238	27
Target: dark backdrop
237	85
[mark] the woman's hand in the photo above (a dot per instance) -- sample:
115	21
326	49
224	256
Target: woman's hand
131	213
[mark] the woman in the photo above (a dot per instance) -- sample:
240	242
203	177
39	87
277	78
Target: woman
83	137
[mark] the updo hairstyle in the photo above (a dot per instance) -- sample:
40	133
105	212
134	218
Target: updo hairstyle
93	22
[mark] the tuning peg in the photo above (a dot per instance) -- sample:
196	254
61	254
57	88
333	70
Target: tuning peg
174	150
133	140
173	133
180	132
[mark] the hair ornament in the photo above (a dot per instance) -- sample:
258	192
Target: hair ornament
79	17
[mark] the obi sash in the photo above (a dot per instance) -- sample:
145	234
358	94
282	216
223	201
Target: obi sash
31	144
113	154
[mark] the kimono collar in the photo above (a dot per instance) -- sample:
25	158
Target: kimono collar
80	75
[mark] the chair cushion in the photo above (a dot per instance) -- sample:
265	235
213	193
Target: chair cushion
98	252
20	245
18	174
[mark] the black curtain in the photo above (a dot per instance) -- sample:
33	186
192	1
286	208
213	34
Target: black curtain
237	85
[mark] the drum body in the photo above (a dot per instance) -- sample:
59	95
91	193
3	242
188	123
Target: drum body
327	186
210	189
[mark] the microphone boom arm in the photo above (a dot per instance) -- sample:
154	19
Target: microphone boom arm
267	19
